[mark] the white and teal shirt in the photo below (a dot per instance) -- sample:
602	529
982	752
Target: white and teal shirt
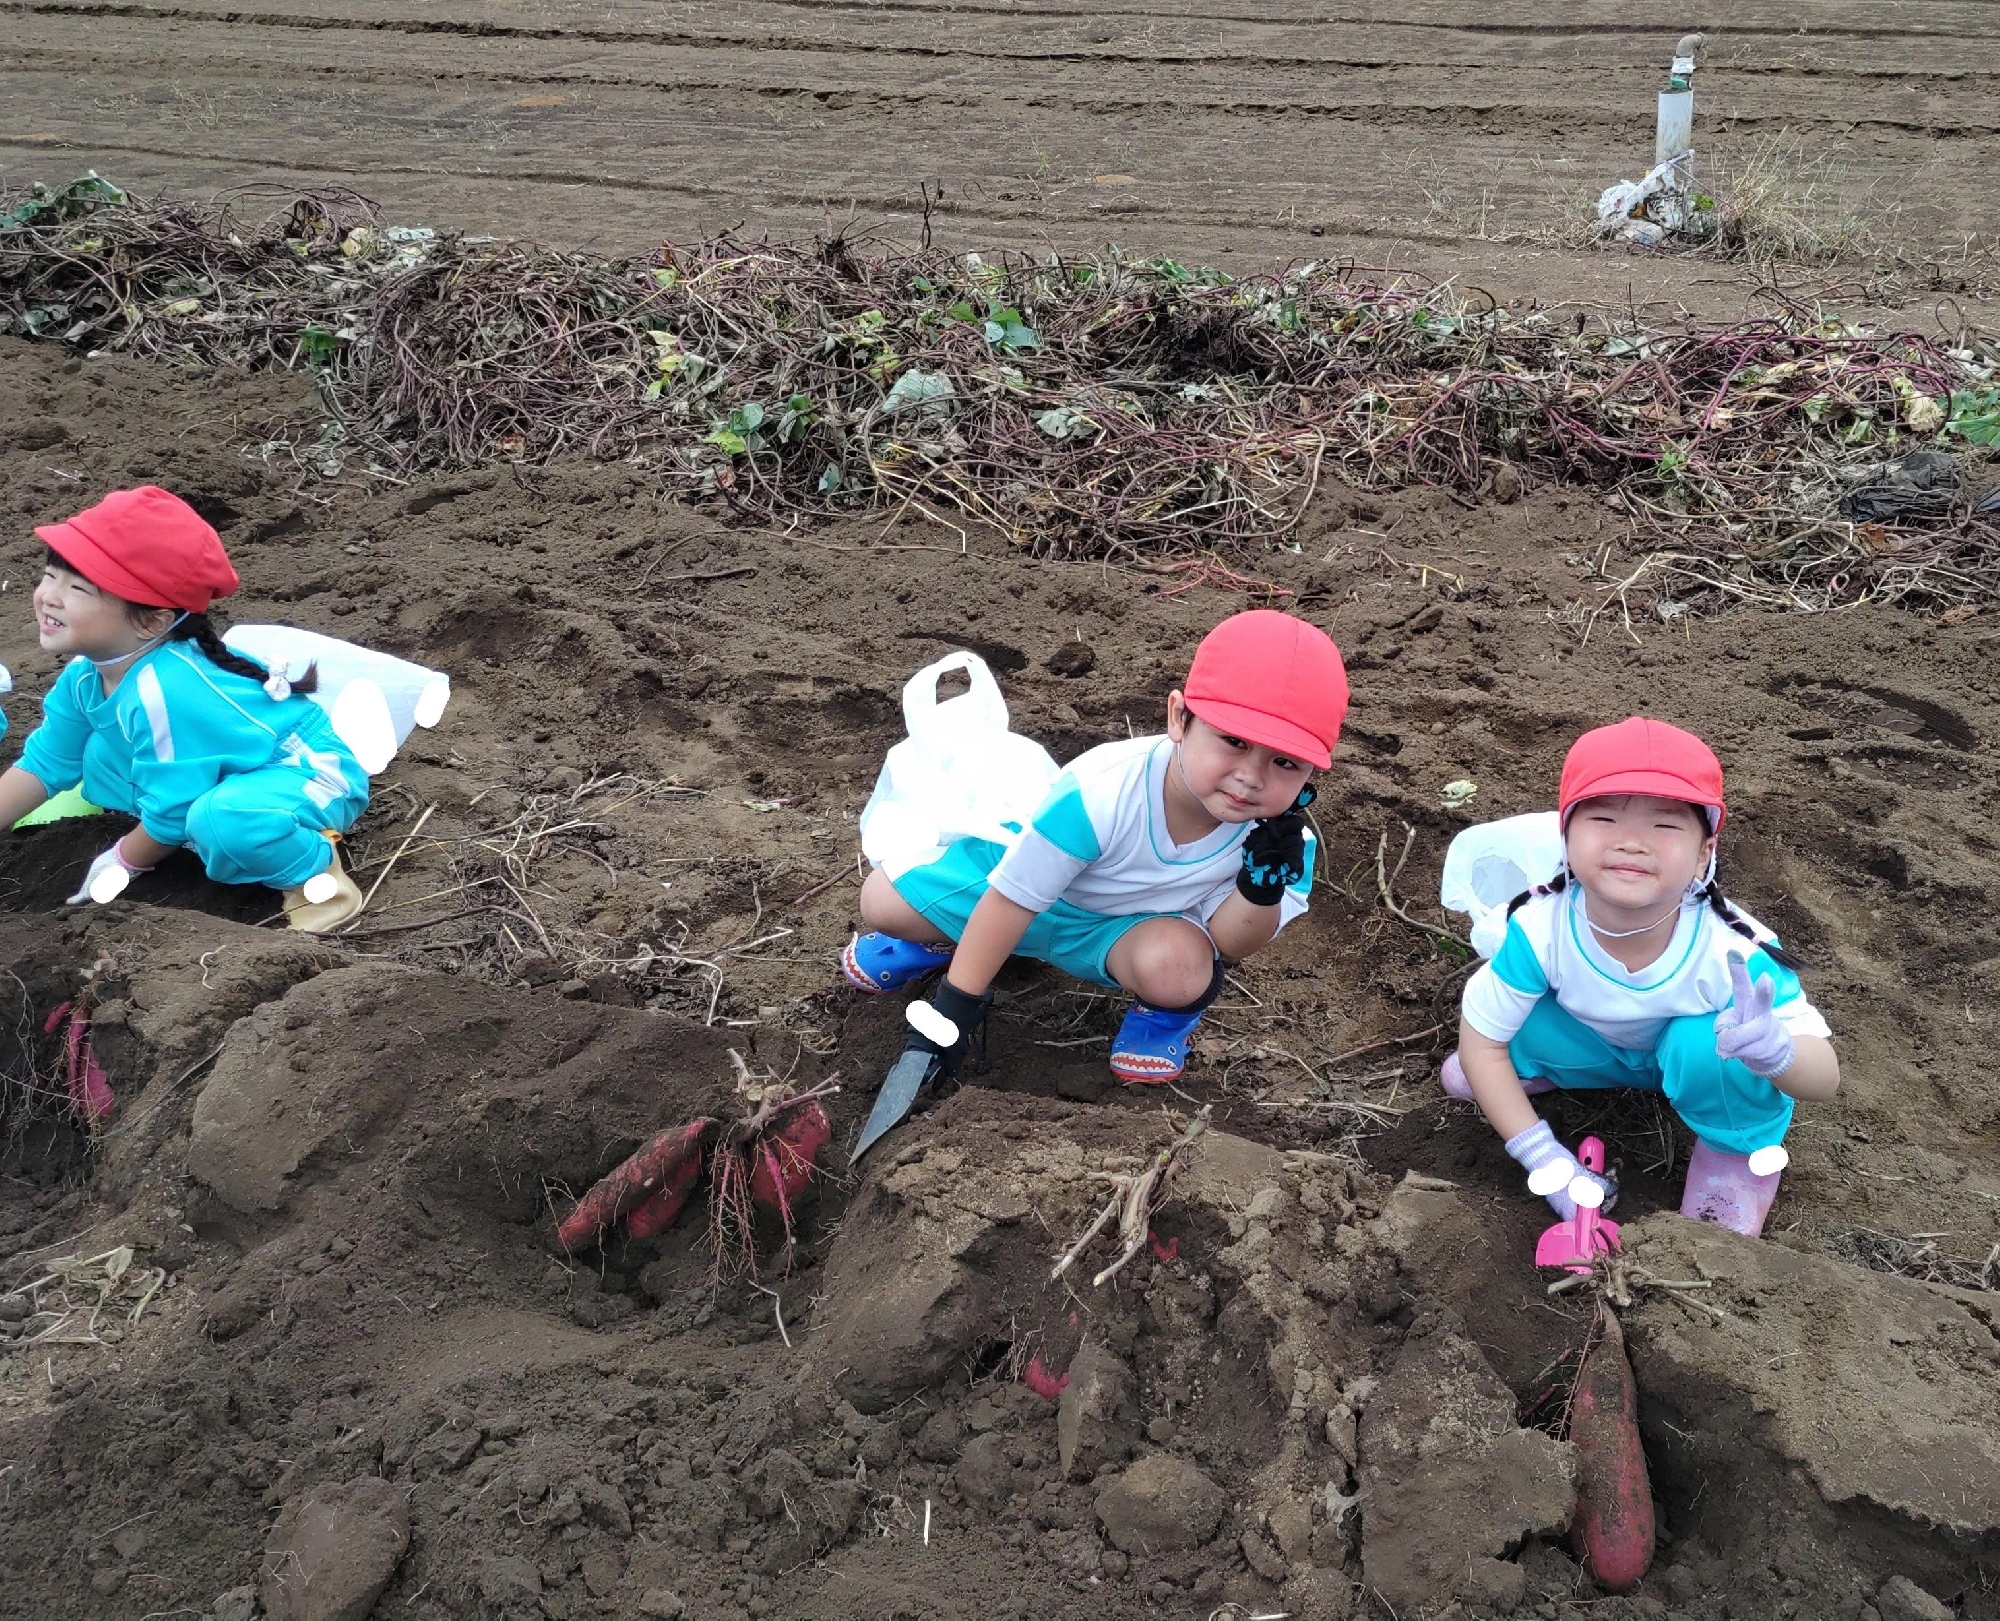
1100	843
1551	950
171	730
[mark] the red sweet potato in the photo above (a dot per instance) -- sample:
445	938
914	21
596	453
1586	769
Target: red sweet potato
1613	1530
631	1184
783	1158
657	1214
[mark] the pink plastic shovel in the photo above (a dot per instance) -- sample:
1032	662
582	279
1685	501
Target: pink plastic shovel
1571	1244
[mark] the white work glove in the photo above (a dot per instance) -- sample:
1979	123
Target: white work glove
1748	1031
107	878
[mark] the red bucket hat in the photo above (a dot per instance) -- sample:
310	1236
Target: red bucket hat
1268	678
1641	756
147	546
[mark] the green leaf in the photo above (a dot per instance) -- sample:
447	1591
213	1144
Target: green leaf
747	418
829	481
319	345
735	443
963	311
1975	416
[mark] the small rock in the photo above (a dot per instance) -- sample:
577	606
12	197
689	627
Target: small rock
1264	1559
106	1582
238	1604
1508	484
604	1506
13	1308
661	1604
1114	1563
129	1543
1161	1504
507	1581
1292	1529
1900	1599
1088	1432
937	1441
333	1550
1073	659
985	1473
602	1571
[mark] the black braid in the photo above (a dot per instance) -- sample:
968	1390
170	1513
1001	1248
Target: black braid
1722	908
197	629
1555	886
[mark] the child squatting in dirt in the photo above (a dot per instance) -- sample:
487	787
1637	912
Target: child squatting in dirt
1631	968
158	719
1151	862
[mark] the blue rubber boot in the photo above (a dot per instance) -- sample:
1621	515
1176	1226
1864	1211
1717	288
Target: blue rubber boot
1152	1044
877	962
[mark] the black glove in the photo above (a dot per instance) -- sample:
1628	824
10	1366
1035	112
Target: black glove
1274	856
966	1013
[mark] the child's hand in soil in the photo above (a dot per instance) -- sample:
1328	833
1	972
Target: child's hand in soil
947	1025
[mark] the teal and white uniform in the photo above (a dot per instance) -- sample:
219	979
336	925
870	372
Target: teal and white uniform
203	758
1572	1014
1095	860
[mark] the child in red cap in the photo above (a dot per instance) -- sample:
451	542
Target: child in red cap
158	719
1631	968
1151	862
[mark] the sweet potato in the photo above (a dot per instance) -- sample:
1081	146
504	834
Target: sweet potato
631	1184
785	1156
1613	1530
657	1214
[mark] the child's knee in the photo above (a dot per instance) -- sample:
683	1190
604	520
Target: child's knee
1166	962
881	907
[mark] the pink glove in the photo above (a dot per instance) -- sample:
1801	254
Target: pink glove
1748	1030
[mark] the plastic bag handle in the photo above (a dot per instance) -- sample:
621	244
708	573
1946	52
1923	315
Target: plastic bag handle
982	705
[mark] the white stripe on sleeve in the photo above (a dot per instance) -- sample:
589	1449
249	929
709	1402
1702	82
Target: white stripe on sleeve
155	701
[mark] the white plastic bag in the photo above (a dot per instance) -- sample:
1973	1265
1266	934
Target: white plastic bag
374	699
1488	865
959	774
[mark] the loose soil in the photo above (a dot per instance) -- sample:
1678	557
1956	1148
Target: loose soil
347	1156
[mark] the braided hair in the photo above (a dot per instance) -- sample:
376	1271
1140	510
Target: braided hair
200	629
1718	903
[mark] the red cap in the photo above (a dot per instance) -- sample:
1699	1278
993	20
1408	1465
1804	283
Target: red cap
147	546
1268	678
1641	756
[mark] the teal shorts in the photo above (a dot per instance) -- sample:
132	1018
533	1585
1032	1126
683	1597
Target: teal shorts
1065	936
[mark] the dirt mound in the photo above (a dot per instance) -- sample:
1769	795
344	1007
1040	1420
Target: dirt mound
345	1156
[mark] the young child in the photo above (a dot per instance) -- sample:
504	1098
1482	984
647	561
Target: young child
159	720
1631	968
1150	863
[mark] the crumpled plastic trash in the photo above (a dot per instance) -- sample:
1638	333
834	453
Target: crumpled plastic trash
1921	485
1646	210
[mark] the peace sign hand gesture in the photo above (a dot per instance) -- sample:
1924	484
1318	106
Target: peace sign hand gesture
1748	1030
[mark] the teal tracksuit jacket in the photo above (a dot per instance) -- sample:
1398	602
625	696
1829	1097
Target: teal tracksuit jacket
203	758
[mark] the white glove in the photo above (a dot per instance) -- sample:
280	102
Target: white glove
107	878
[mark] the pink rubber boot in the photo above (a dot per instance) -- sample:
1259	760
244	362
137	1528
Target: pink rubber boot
1451	1076
1723	1189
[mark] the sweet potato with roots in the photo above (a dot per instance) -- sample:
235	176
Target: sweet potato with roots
1613	1530
659	1164
786	1157
657	1214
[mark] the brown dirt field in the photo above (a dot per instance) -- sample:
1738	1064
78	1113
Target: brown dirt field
1329	1391
1410	134
345	1154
